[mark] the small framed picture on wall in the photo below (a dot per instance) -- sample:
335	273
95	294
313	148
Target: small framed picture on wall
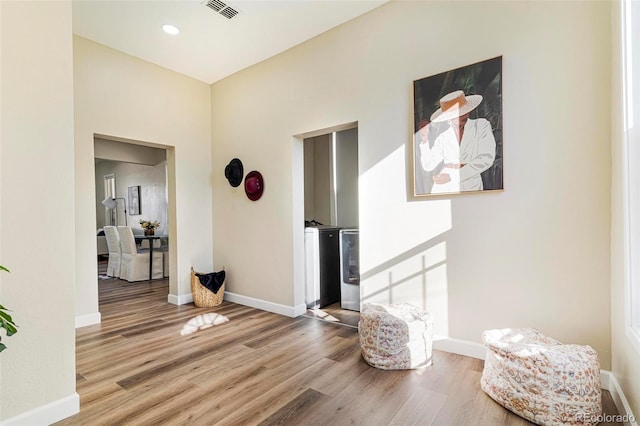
134	200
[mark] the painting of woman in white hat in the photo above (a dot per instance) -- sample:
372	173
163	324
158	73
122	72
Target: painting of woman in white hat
457	144
463	151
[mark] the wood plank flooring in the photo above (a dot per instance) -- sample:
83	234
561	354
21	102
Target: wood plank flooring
334	313
259	368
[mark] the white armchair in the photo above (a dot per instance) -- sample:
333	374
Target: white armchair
113	245
103	248
135	265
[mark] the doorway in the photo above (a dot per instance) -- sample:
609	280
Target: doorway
131	187
332	291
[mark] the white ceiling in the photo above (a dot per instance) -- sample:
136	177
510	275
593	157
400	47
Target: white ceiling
210	46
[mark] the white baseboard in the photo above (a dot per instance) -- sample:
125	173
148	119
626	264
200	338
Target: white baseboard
300	309
88	319
47	414
180	300
276	308
619	398
460	347
605	379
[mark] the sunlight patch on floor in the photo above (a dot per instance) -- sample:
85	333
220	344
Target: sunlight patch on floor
201	322
325	316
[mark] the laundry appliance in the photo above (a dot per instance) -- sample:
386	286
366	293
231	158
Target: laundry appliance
349	269
322	265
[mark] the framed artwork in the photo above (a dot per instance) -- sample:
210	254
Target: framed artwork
457	134
134	200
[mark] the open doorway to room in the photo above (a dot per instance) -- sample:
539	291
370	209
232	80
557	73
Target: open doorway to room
332	280
132	190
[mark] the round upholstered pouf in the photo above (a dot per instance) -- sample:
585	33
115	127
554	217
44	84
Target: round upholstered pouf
395	337
541	379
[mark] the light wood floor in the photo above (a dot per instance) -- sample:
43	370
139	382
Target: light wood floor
335	314
259	368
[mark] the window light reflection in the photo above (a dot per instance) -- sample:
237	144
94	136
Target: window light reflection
201	322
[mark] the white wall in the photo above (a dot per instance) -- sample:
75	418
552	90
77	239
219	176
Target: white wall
309	180
128	152
322	179
117	95
320	202
625	358
37	211
153	193
317	179
347	178
533	255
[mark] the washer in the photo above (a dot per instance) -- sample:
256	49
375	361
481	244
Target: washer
322	266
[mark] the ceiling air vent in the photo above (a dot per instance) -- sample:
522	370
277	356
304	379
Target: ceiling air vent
228	12
222	9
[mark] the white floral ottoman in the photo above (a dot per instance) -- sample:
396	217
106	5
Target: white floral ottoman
540	379
395	337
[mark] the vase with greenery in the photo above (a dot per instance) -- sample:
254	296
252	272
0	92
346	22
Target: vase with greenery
6	321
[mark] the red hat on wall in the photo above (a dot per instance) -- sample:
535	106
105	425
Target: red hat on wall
254	185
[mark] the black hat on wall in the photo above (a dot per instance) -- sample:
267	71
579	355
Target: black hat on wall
234	172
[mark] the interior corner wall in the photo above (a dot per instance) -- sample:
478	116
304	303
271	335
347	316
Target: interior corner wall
533	255
625	357
37	212
117	95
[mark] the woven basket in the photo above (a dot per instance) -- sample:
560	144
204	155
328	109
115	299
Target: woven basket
202	296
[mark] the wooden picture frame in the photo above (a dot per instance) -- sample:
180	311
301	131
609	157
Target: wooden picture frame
457	134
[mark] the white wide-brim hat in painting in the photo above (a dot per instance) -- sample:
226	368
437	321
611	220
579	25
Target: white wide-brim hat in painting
455	104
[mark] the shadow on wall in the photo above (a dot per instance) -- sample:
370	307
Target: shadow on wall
417	276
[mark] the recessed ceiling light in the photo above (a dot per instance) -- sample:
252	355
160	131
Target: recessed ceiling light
171	29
